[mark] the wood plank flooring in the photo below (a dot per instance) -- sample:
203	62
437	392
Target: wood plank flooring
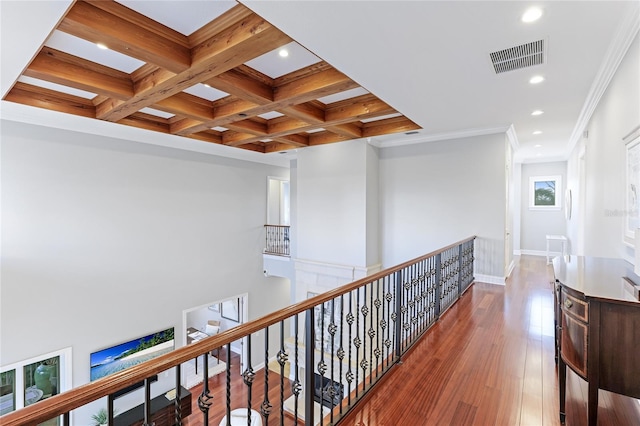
488	361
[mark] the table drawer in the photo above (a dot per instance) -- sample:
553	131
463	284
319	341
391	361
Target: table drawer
575	307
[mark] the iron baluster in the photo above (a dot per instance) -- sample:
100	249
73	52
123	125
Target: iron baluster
296	387
147	403
204	401
248	376
397	316
377	303
341	348
282	360
110	412
372	335
266	406
332	333
176	401
228	385
309	385
356	341
349	375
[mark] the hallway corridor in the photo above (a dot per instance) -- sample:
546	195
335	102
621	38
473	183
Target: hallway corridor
489	361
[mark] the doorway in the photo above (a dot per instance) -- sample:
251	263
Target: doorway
210	319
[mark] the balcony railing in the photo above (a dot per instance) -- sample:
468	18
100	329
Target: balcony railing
277	240
338	345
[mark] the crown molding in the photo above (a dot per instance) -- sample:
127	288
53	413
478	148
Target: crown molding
459	134
617	50
513	138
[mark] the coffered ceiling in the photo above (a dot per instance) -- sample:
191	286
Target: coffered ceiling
194	74
215	72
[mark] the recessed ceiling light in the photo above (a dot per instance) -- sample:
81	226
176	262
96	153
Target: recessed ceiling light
537	112
536	79
532	14
537	132
537	145
102	46
283	53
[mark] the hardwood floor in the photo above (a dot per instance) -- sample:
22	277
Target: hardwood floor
488	361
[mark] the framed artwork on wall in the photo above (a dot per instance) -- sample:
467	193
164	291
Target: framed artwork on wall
231	310
632	186
545	192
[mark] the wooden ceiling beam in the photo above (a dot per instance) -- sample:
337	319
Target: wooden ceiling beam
322	138
186	105
250	127
298	141
145	121
279	146
306	112
349	130
358	108
232	47
243	86
68	70
207	136
40	97
128	32
388	126
314	86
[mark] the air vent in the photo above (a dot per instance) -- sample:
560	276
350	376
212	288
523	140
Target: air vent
518	57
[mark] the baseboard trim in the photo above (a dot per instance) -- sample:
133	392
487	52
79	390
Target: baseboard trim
489	279
510	269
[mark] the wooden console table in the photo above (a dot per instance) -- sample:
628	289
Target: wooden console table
598	326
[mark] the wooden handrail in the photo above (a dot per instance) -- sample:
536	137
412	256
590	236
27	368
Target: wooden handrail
84	394
277	226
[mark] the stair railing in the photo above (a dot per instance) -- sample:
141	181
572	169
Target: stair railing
336	346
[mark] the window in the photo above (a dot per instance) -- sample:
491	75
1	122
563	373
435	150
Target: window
545	192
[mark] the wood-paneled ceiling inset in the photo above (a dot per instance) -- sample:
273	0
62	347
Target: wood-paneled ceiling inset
163	94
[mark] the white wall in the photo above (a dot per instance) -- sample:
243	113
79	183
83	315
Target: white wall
437	193
617	114
105	240
335	206
536	224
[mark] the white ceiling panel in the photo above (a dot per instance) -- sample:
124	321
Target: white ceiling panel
90	51
157	112
274	65
57	87
205	92
184	16
347	94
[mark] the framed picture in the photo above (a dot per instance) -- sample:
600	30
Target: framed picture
127	354
632	186
545	193
231	310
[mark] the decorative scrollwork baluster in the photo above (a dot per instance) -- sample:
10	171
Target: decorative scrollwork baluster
296	386
204	400
282	358
248	377
265	407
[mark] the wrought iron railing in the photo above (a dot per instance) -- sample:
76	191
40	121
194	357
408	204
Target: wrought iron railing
337	345
277	240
